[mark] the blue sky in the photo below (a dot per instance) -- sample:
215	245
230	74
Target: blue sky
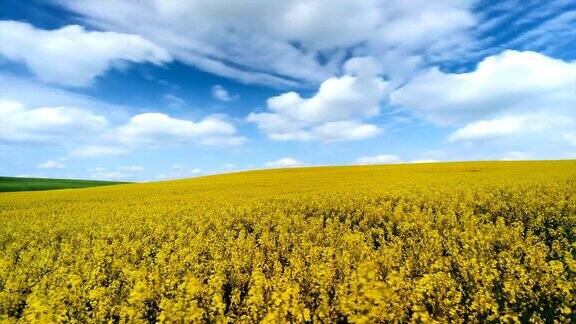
153	90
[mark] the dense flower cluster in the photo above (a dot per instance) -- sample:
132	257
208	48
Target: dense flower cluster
450	242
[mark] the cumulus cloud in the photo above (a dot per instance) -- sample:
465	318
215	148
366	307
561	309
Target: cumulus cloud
513	97
48	124
378	159
51	164
90	128
344	130
111	176
570	138
122	173
179	172
156	128
99	150
511	82
356	94
221	94
284	163
425	161
131	168
72	55
508	126
97	169
515	156
284	43
87	134
333	113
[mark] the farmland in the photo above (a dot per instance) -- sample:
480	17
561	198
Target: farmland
474	241
29	184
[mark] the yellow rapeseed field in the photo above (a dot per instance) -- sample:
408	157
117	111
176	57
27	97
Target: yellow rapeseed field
461	242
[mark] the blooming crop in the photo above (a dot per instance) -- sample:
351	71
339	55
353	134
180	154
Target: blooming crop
460	242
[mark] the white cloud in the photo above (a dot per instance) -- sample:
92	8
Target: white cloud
378	159
515	156
344	131
32	93
221	94
224	141
179	172
48	124
429	156
158	128
509	126
516	98
99	150
424	161
86	134
174	101
287	42
512	82
356	94
51	164
112	176
97	169
131	168
333	112
162	176
284	163
71	55
122	173
570	138
545	36
432	25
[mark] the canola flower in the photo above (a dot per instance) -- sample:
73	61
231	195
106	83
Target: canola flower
457	242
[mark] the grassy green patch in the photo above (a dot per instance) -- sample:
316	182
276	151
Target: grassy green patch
30	184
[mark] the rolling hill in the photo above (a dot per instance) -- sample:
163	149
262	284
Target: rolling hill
450	242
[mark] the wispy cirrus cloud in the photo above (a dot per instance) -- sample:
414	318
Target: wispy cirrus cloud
280	43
